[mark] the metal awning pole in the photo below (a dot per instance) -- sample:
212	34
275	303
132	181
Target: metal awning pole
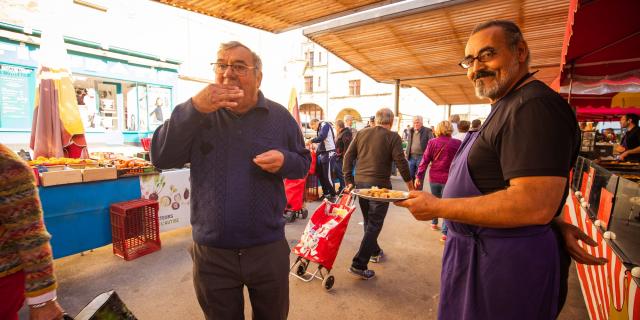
397	98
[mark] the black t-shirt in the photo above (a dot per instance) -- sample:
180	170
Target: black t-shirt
533	132
632	141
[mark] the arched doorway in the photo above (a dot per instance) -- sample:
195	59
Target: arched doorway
310	111
349	111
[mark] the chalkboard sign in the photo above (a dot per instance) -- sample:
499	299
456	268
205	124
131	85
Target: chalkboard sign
16	97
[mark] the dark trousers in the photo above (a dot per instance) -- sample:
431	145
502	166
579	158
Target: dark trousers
324	166
373	213
219	277
338	171
436	190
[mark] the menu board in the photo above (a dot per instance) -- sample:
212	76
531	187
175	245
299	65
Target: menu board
16	107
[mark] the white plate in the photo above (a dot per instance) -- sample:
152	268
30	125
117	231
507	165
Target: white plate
363	196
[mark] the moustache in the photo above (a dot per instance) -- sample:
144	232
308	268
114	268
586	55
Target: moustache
482	74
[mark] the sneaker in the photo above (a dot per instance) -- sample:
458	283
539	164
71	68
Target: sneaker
443	238
329	197
377	258
362	274
434	227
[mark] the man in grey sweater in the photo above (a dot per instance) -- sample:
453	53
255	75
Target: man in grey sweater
374	148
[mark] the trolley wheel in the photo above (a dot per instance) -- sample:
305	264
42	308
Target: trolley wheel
289	216
302	268
305	213
328	282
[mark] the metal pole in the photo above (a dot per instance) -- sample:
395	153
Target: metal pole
397	98
326	81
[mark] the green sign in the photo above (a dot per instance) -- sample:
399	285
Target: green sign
16	104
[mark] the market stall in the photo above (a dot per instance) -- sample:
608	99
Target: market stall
600	79
76	197
605	204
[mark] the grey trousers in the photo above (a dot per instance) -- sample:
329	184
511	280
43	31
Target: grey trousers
219	277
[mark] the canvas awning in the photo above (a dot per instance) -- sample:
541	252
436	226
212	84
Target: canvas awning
422	47
601	56
277	15
417	43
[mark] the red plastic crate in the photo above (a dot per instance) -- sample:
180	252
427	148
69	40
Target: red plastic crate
135	228
311	189
146	143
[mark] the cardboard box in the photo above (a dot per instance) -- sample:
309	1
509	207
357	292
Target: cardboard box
98	174
53	178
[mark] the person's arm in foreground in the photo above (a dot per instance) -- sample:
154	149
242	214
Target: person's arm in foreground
24	223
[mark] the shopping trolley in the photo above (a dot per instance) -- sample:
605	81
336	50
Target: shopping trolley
295	189
321	240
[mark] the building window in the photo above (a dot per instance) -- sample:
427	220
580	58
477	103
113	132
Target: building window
308	56
354	87
319	57
308	84
319	82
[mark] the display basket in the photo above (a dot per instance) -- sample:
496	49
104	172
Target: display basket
135	228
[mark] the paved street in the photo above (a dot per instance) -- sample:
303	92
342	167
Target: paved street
159	285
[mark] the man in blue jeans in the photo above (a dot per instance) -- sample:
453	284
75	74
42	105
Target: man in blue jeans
375	148
417	140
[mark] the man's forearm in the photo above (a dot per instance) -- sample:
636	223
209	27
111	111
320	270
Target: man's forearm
515	206
634	151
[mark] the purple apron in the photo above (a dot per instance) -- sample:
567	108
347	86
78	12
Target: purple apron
491	273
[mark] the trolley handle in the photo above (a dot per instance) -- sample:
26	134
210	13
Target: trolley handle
351	200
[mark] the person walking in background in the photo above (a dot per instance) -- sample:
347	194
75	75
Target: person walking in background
241	146
375	149
405	133
417	140
342	144
475	125
371	123
463	128
26	261
348	123
439	154
455	120
326	153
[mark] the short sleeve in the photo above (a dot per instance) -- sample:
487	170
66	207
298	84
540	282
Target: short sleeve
538	139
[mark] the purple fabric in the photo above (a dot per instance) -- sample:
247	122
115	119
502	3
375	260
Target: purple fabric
439	167
490	273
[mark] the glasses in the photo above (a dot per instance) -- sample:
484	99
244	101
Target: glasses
239	69
484	56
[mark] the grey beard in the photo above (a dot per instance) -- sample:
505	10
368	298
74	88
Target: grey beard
499	87
489	92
